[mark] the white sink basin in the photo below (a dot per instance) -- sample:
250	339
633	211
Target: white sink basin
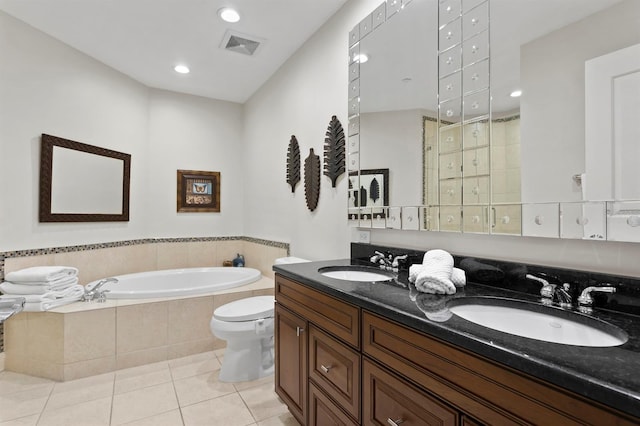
538	322
356	273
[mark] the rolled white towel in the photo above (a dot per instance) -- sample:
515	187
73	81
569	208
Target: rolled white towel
435	274
439	256
430	281
22	289
458	277
414	270
41	274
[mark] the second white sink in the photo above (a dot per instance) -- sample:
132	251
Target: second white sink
356	273
546	324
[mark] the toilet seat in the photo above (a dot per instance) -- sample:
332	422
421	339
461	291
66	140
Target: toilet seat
249	309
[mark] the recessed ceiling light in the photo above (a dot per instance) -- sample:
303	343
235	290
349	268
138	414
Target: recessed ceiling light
182	69
516	93
229	15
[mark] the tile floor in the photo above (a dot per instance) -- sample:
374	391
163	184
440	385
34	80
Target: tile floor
184	391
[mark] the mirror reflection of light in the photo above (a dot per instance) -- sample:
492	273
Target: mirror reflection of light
361	58
516	93
182	69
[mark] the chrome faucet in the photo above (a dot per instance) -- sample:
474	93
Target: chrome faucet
553	292
94	293
586	299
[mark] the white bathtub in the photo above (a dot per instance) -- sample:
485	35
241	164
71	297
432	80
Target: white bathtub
178	282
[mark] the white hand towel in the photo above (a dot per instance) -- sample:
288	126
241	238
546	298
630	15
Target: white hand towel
414	270
458	277
22	289
73	291
41	274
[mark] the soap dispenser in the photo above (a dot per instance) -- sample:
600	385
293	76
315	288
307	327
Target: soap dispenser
238	261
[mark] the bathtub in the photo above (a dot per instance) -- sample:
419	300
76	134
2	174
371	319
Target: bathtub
178	282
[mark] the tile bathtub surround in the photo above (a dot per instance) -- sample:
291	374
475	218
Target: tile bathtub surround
85	339
184	391
96	261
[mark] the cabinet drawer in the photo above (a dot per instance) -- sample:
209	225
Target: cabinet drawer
323	411
488	391
388	400
334	316
335	368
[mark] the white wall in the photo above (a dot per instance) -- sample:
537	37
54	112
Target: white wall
552	106
192	133
394	142
300	100
48	87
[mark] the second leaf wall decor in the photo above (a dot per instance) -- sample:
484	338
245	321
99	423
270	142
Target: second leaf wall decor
334	151
312	180
293	163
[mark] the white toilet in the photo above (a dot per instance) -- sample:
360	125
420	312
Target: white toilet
247	325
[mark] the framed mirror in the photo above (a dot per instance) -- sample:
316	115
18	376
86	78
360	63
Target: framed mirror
82	183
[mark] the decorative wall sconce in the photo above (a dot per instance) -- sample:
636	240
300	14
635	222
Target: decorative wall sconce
334	151
312	180
293	163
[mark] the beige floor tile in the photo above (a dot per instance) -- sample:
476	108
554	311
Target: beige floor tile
143	403
263	401
259	382
199	388
170	418
24	403
92	413
227	410
11	382
284	419
140	370
23	421
140	381
194	368
80	391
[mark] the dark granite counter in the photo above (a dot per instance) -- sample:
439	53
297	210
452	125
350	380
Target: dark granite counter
606	374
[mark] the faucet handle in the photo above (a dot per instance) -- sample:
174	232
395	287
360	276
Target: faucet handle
586	298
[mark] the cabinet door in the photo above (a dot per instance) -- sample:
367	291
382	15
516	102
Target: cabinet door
291	361
324	412
388	400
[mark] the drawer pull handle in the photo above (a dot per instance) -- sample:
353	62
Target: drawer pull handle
299	330
326	369
394	422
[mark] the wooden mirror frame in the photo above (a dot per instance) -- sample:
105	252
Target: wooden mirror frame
46	181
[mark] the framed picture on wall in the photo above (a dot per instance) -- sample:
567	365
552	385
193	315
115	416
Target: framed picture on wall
372	191
198	191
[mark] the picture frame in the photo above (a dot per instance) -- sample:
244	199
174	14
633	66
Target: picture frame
372	193
198	191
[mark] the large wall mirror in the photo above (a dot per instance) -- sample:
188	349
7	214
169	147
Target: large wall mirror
436	103
82	183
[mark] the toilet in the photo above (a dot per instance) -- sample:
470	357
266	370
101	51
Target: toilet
247	325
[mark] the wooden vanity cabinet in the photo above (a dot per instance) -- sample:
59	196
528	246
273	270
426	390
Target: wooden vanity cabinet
337	364
320	382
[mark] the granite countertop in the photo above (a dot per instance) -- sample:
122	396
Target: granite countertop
608	375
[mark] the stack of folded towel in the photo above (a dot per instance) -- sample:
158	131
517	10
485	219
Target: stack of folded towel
43	287
436	274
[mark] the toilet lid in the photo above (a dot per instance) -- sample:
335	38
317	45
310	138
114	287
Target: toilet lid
248	309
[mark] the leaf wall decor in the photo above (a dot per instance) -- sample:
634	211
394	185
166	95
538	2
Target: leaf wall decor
312	180
374	190
334	151
293	163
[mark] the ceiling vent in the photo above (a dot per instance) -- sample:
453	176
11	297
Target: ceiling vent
241	43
